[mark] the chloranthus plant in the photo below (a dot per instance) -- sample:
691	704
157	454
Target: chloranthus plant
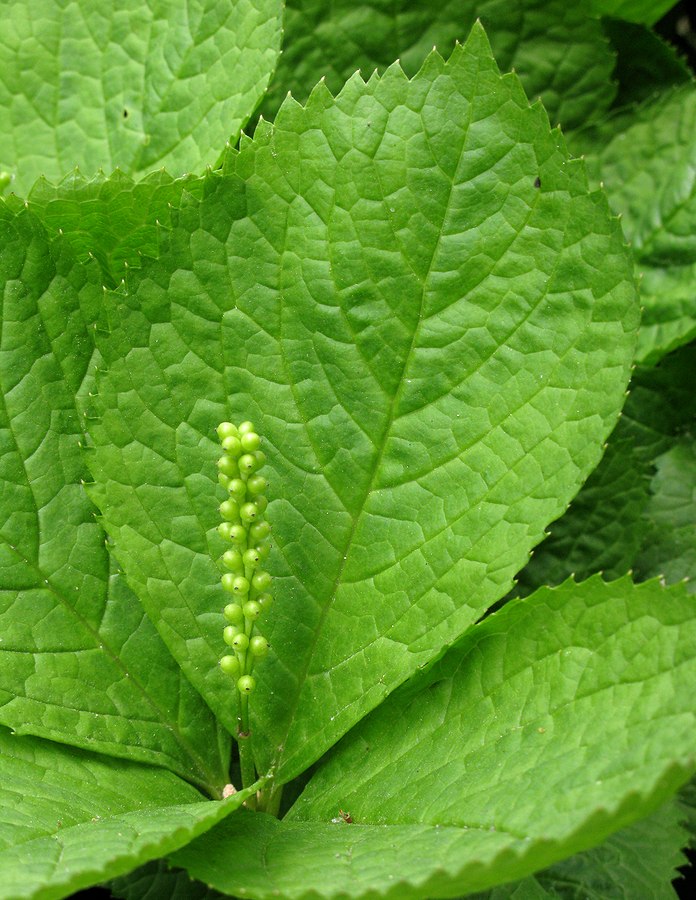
416	291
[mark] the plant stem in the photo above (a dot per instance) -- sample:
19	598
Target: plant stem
246	759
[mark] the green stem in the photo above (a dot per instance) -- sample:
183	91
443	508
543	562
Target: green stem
246	759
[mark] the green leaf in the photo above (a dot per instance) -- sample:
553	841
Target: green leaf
638	861
603	529
645	62
155	881
558	51
645	11
670	547
79	661
134	85
70	819
115	220
434	349
644	158
556	721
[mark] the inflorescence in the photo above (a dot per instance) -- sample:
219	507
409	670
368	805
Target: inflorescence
248	532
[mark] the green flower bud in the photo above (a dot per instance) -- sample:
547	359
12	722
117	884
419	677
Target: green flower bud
233	559
262	503
251	610
228	466
224	480
234	613
229	510
230	665
264	600
259	530
228	581
226	429
237	488
247	463
248	512
238	534
261	580
246	684
240	586
246	427
230	633
257	484
263	550
250	441
258	645
233	446
252	558
224	530
240	641
260	458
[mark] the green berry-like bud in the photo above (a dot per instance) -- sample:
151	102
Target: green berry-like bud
264	601
229	510
224	530
259	530
246	427
238	534
257	484
246	684
228	581
247	463
233	446
240	641
260	458
251	610
226	429
250	441
261	580
234	613
252	558
224	480
248	512
262	503
263	550
258	645
228	466
233	560
230	665
237	488
230	633
240	586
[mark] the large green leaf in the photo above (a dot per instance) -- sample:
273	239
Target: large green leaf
70	819
135	85
557	49
79	660
556	721
434	346
644	157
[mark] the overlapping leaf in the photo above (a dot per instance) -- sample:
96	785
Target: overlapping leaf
135	85
434	346
645	159
79	661
646	11
670	547
115	220
558	49
556	721
70	819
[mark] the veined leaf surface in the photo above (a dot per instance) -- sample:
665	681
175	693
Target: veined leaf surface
431	321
